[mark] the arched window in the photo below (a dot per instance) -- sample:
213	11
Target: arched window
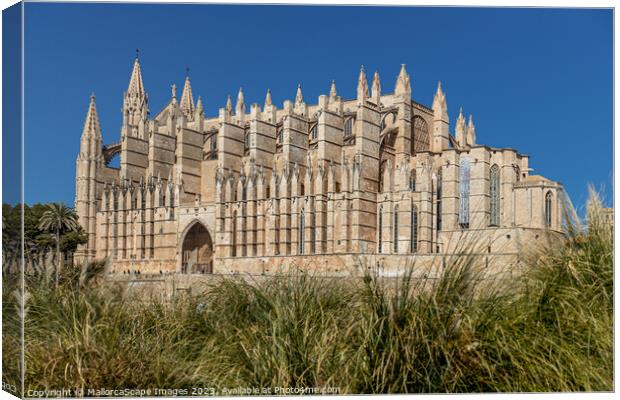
464	175
412	180
301	232
439	195
548	209
395	230
348	127
134	201
143	198
115	200
314	132
517	173
280	137
247	141
494	188
413	245
420	140
380	230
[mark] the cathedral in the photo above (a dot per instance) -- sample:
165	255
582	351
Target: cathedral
330	185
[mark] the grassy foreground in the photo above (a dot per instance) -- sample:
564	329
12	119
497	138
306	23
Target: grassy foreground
551	330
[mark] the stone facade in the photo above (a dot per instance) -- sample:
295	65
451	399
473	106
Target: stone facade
317	186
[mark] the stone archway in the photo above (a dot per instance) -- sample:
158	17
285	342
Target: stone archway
197	251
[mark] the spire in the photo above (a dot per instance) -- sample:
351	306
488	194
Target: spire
440	106
199	108
299	98
187	99
376	89
332	90
91	124
136	87
240	107
403	82
229	106
268	101
362	85
471	131
459	129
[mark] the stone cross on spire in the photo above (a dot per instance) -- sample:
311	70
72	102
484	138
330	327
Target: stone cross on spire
187	99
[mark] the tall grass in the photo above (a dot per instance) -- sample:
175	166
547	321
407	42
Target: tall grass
549	330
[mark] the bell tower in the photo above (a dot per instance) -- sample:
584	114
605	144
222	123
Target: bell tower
89	163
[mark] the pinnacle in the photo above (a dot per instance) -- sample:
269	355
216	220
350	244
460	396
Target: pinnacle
299	98
240	107
229	104
268	101
91	123
136	87
187	98
332	90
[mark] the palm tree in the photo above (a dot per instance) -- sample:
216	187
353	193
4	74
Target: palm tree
58	218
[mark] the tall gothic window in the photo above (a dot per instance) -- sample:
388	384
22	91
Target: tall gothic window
495	188
280	138
548	210
246	142
313	234
348	127
421	140
301	232
214	145
395	230
314	132
517	173
143	199
464	172
380	230
412	180
234	235
439	195
413	245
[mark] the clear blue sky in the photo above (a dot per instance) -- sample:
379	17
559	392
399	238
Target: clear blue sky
538	80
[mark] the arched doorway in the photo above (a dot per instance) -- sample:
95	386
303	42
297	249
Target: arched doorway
197	251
